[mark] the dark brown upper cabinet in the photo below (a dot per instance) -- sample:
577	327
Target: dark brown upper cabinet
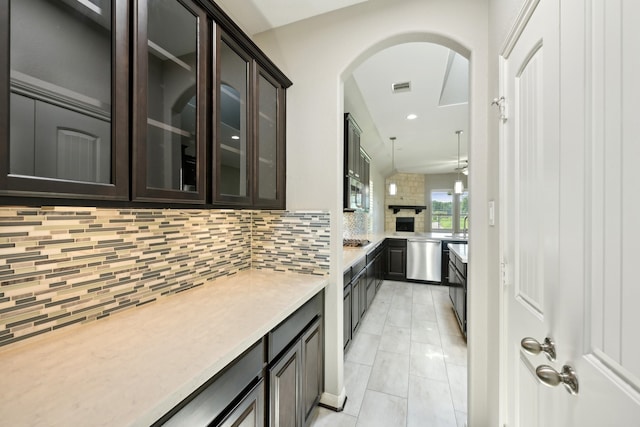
64	107
169	122
234	130
356	168
269	159
138	101
249	151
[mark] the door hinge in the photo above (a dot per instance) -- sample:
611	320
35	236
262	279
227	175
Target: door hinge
504	274
501	103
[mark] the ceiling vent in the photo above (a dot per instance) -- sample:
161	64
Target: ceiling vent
401	87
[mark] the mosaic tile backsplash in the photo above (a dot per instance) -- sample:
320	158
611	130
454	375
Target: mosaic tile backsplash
291	241
64	265
356	225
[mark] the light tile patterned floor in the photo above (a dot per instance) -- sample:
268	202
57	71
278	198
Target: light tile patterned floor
407	366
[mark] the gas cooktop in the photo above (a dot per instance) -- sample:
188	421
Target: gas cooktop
355	243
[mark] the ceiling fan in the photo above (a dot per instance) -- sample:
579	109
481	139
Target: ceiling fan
464	167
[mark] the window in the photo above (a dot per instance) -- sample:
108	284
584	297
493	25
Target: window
447	209
441	210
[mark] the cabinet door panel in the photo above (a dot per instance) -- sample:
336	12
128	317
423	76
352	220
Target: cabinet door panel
312	363
171	106
397	267
269	159
67	98
355	304
363	295
285	390
250	411
346	317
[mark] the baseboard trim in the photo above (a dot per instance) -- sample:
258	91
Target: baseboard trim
334	402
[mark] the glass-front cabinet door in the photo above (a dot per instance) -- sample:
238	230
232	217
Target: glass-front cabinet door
232	151
170	117
161	101
63	98
269	159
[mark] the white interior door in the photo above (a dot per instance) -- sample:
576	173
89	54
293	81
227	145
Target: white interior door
570	227
531	208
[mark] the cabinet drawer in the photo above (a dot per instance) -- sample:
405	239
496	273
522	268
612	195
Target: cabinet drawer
346	277
397	243
358	266
283	334
210	401
373	253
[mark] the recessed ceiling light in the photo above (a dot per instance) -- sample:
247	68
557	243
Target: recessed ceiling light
235	137
412	117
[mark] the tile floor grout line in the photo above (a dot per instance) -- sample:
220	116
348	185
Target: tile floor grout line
394	292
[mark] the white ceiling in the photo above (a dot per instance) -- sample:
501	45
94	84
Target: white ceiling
255	16
427	144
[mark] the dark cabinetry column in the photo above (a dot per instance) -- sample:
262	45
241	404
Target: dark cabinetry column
396	259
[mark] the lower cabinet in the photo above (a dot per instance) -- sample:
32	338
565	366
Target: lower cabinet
458	294
371	289
397	259
212	403
445	260
277	382
284	390
358	286
312	369
296	380
361	283
346	316
250	411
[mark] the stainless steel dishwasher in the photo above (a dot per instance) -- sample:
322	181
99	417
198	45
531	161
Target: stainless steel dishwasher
424	259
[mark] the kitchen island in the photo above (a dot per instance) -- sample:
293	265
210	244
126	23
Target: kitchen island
132	368
458	282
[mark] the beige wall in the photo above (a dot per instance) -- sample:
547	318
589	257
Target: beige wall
318	54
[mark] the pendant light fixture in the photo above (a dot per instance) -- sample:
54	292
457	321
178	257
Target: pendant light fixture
458	188
393	188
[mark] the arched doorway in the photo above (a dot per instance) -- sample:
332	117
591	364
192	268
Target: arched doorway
446	44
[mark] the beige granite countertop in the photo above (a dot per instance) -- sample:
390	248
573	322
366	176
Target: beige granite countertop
132	368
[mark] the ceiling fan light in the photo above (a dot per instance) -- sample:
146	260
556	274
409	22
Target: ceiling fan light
465	171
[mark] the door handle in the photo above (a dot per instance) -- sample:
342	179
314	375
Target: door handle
552	378
532	346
